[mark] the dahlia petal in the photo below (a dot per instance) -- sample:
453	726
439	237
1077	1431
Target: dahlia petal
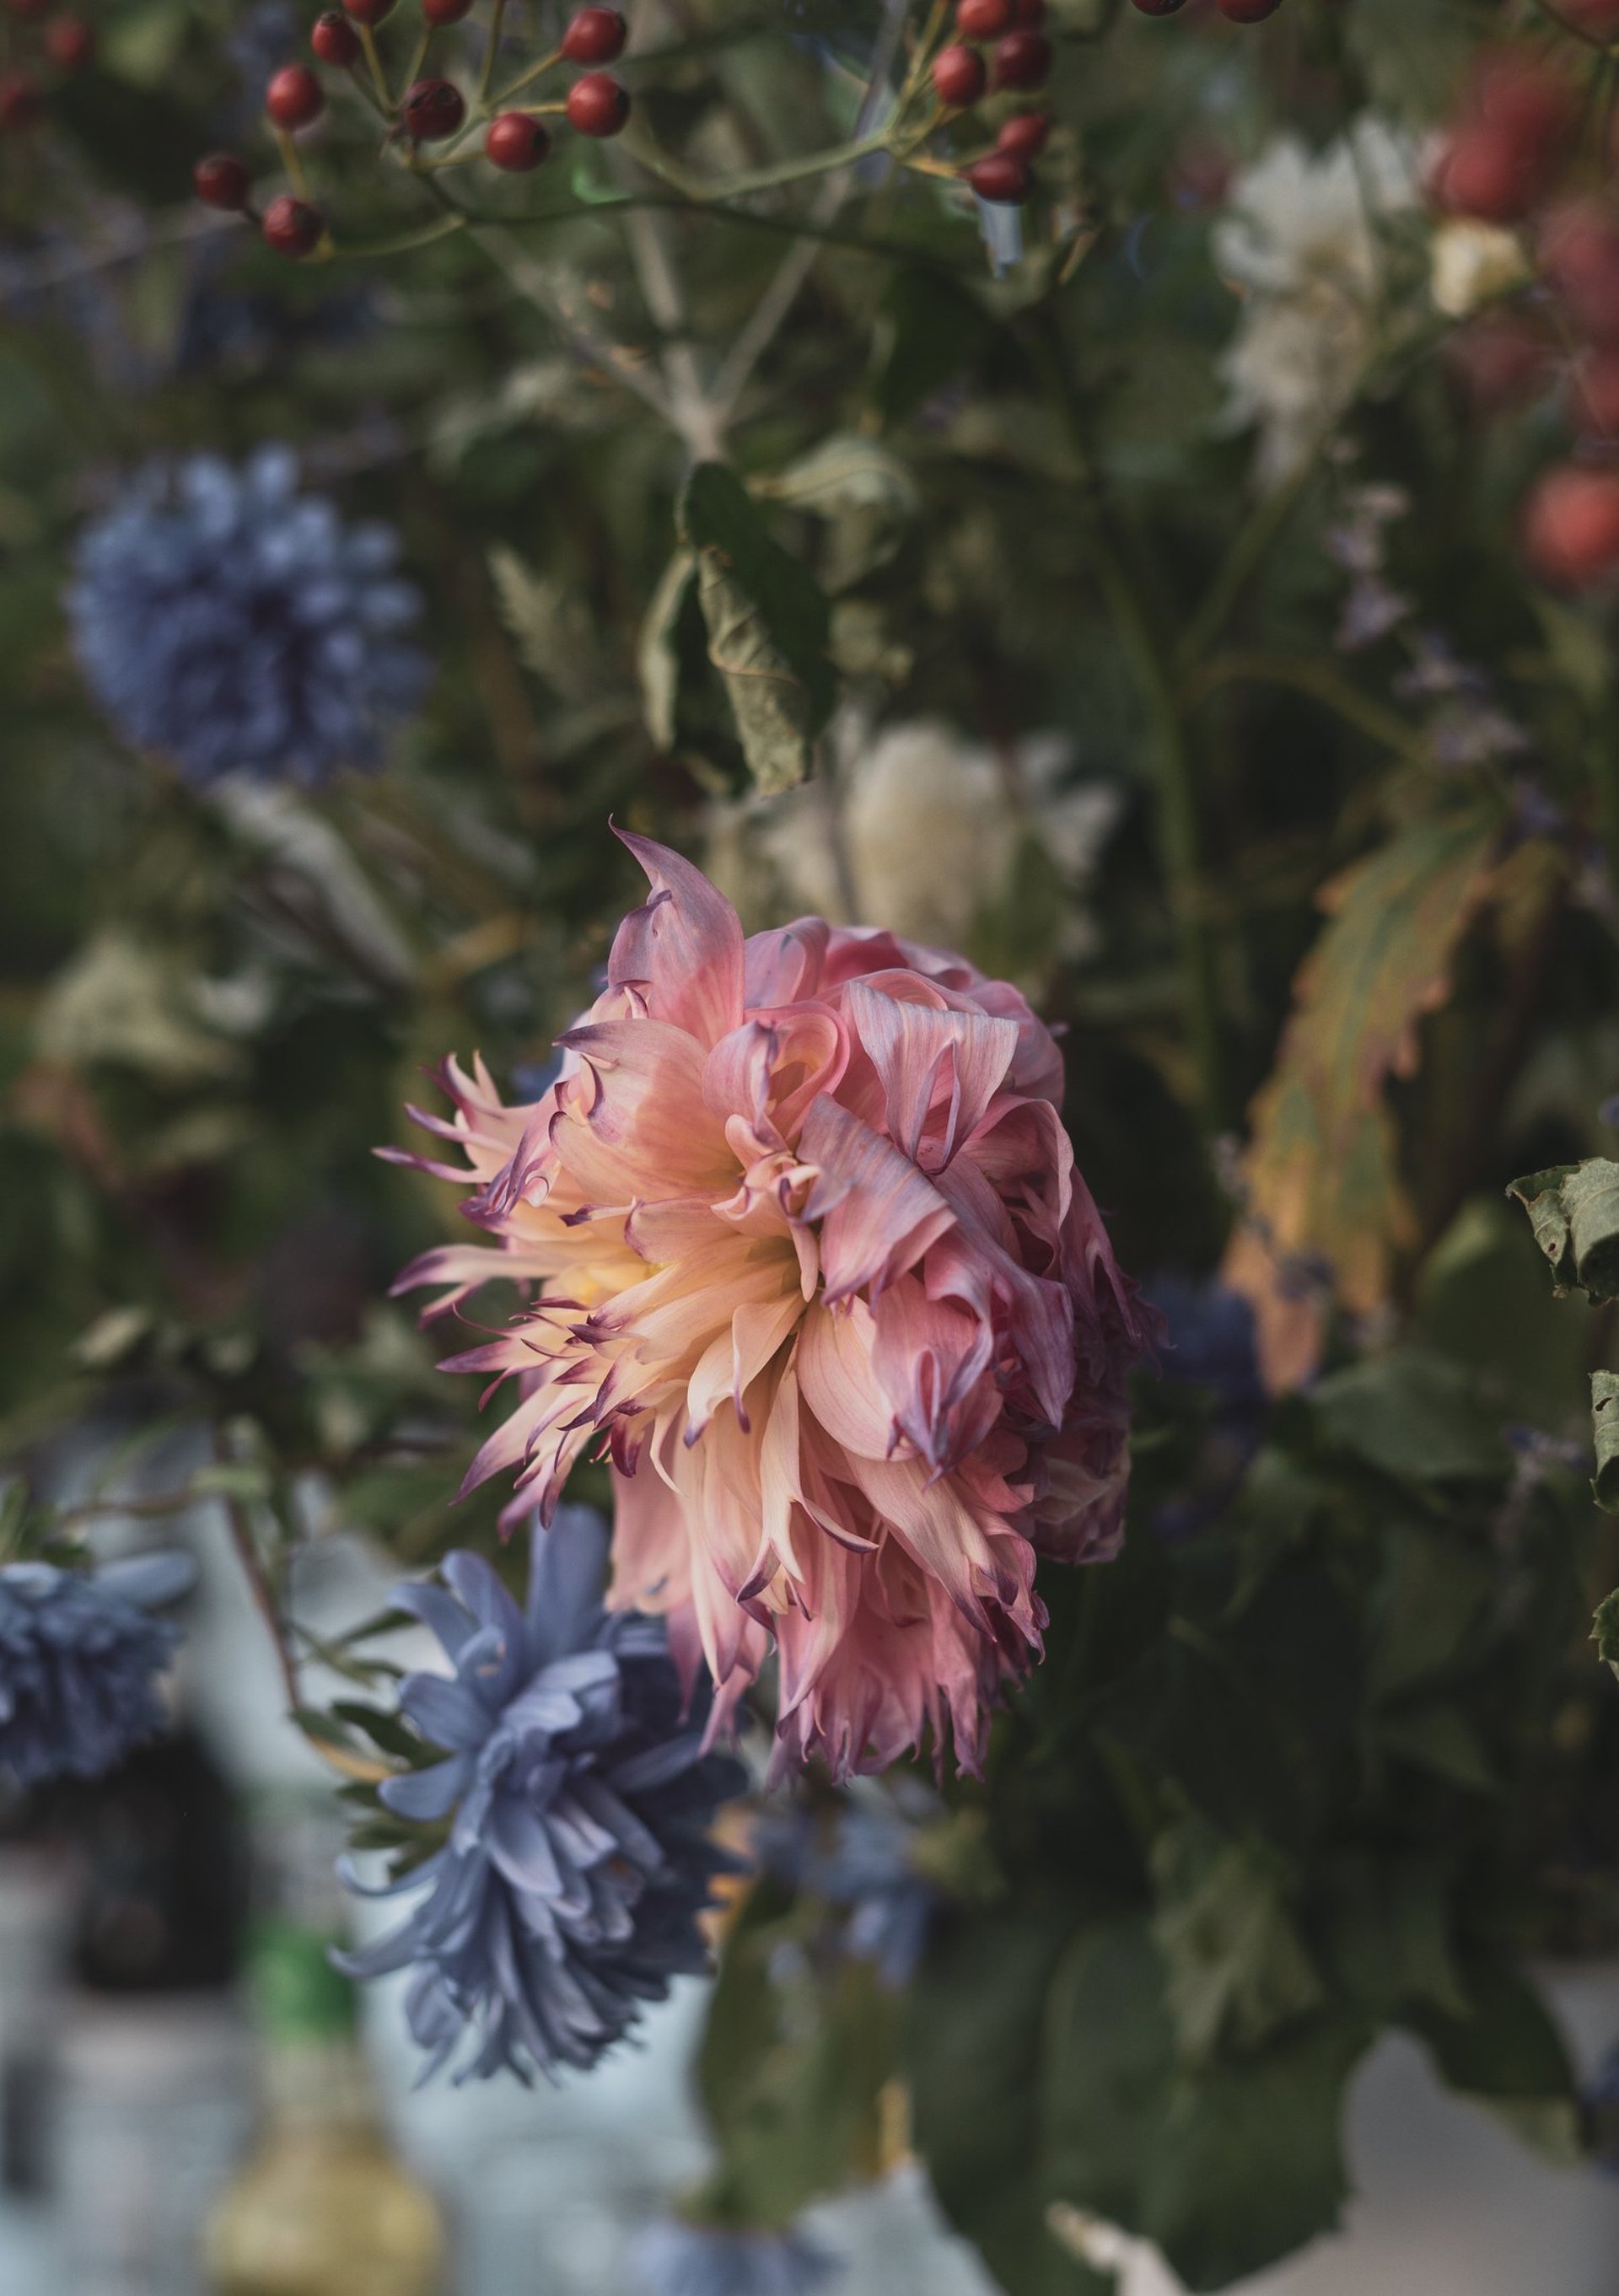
633	1123
839	1379
944	1066
731	1364
933	1359
683	948
878	1213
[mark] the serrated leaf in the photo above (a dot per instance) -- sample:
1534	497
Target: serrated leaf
657	662
1322	1172
1574	1210
1604	1430
767	626
546	621
1604	1630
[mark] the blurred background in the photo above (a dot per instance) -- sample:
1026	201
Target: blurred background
1186	582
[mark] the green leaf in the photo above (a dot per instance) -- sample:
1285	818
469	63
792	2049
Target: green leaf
795	2054
863	491
1387	1935
1574	1212
1237	1967
973	2041
767	626
1414	1416
1604	1630
1506	2053
933	330
1227	2167
1604	1429
657	656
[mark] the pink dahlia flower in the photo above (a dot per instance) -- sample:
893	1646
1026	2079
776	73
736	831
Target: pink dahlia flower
810	1261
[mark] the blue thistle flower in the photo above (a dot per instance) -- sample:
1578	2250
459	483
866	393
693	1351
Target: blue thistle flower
224	618
862	1864
577	1799
675	2257
80	1661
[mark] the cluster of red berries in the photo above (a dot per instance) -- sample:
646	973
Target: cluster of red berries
1506	162
429	111
65	45
1019	61
1235	11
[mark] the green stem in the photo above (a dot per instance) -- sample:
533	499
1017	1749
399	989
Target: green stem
1253	539
486	76
1323	684
1180	830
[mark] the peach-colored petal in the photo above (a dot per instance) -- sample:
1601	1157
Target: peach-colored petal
877	1212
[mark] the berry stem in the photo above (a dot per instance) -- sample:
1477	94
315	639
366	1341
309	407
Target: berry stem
491	54
501	101
404	242
373	64
292	159
923	55
425	42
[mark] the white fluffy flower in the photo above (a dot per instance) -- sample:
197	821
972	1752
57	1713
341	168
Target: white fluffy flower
1301	241
931	828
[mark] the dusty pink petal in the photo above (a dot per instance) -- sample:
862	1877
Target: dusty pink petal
933	1359
683	950
938	1070
877	1212
840	1380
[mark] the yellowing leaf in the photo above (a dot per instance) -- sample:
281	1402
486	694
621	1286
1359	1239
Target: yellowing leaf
1324	1187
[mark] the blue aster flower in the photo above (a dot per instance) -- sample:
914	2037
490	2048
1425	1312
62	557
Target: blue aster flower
673	2258
860	1863
237	626
574	1803
80	1661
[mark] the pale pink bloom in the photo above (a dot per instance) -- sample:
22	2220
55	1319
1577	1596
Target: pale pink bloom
808	1259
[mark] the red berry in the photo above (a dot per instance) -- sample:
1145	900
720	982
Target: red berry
1520	95
1580	256
516	143
368	11
293	226
1000	176
1028	12
294	96
439	12
1159	7
1248	11
1598	19
982	19
597	105
334	39
1595	393
1571	525
20	102
69	43
1486	171
959	78
221	181
597	35
1022	60
432	109
1024	134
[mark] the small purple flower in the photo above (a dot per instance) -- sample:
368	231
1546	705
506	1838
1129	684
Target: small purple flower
572	1809
225	619
80	1656
674	2258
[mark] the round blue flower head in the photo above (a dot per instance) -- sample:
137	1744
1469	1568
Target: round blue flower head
79	1662
673	2258
229	622
577	1799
